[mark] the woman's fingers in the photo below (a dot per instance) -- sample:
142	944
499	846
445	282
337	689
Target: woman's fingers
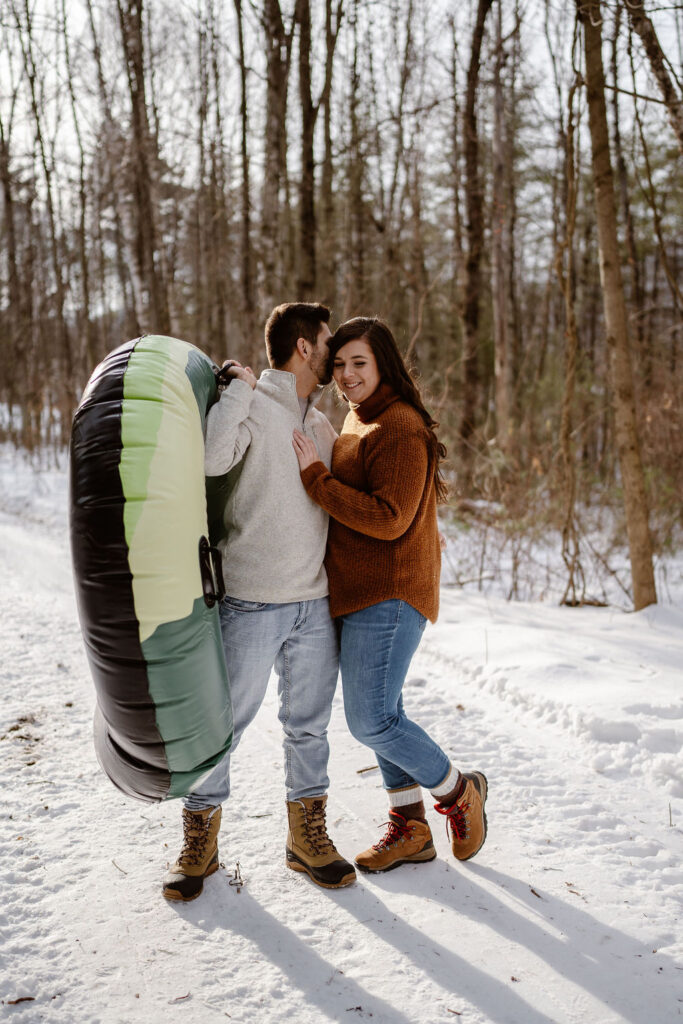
306	451
301	456
303	441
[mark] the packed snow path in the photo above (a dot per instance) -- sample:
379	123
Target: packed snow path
571	912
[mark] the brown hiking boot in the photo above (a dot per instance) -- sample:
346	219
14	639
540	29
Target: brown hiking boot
199	856
405	842
310	849
467	817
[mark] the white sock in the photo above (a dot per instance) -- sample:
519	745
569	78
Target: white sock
448	784
403	797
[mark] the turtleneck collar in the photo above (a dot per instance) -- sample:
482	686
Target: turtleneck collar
376	403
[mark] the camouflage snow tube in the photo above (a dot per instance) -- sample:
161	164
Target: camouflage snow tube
144	579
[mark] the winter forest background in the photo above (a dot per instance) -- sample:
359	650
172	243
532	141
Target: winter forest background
500	181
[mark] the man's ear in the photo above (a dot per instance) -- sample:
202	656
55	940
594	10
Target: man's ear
303	347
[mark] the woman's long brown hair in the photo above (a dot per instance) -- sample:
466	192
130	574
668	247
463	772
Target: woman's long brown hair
393	370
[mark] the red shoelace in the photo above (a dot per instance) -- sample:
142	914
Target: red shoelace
394	832
456	817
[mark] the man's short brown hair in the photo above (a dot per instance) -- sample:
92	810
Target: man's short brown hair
287	323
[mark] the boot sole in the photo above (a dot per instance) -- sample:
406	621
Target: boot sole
417	859
485	782
296	865
177	897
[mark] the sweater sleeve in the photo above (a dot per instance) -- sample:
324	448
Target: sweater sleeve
396	467
227	435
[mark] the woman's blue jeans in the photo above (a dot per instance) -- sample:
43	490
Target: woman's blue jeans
377	645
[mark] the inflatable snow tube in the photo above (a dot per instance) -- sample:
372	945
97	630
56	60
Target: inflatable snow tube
145	581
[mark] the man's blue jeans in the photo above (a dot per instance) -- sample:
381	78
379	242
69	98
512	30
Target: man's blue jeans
377	644
300	641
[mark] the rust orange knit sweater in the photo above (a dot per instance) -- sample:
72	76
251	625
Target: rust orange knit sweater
383	540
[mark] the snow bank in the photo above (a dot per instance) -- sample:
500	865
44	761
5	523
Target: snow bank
570	913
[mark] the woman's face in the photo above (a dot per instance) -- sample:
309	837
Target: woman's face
355	371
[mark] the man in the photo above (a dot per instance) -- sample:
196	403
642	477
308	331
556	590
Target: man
275	613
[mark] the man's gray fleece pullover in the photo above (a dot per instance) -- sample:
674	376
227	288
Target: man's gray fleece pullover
276	535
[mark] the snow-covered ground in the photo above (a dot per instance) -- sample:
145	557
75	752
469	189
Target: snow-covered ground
572	912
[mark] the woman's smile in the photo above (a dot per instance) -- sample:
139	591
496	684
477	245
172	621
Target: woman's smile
355	371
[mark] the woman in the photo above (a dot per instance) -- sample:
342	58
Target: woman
383	563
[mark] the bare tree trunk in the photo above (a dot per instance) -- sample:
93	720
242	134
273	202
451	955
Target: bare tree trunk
588	302
475	239
650	193
153	311
565	273
457	248
65	398
420	285
88	354
278	43
110	193
15	317
246	275
677	327
356	296
622	178
499	253
307	270
547	319
645	29
628	449
393	213
651	318
328	243
513	310
201	290
220	227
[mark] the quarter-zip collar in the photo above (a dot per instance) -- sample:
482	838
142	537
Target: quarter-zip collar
281	386
376	403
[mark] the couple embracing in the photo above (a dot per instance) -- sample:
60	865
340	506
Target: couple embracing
331	561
